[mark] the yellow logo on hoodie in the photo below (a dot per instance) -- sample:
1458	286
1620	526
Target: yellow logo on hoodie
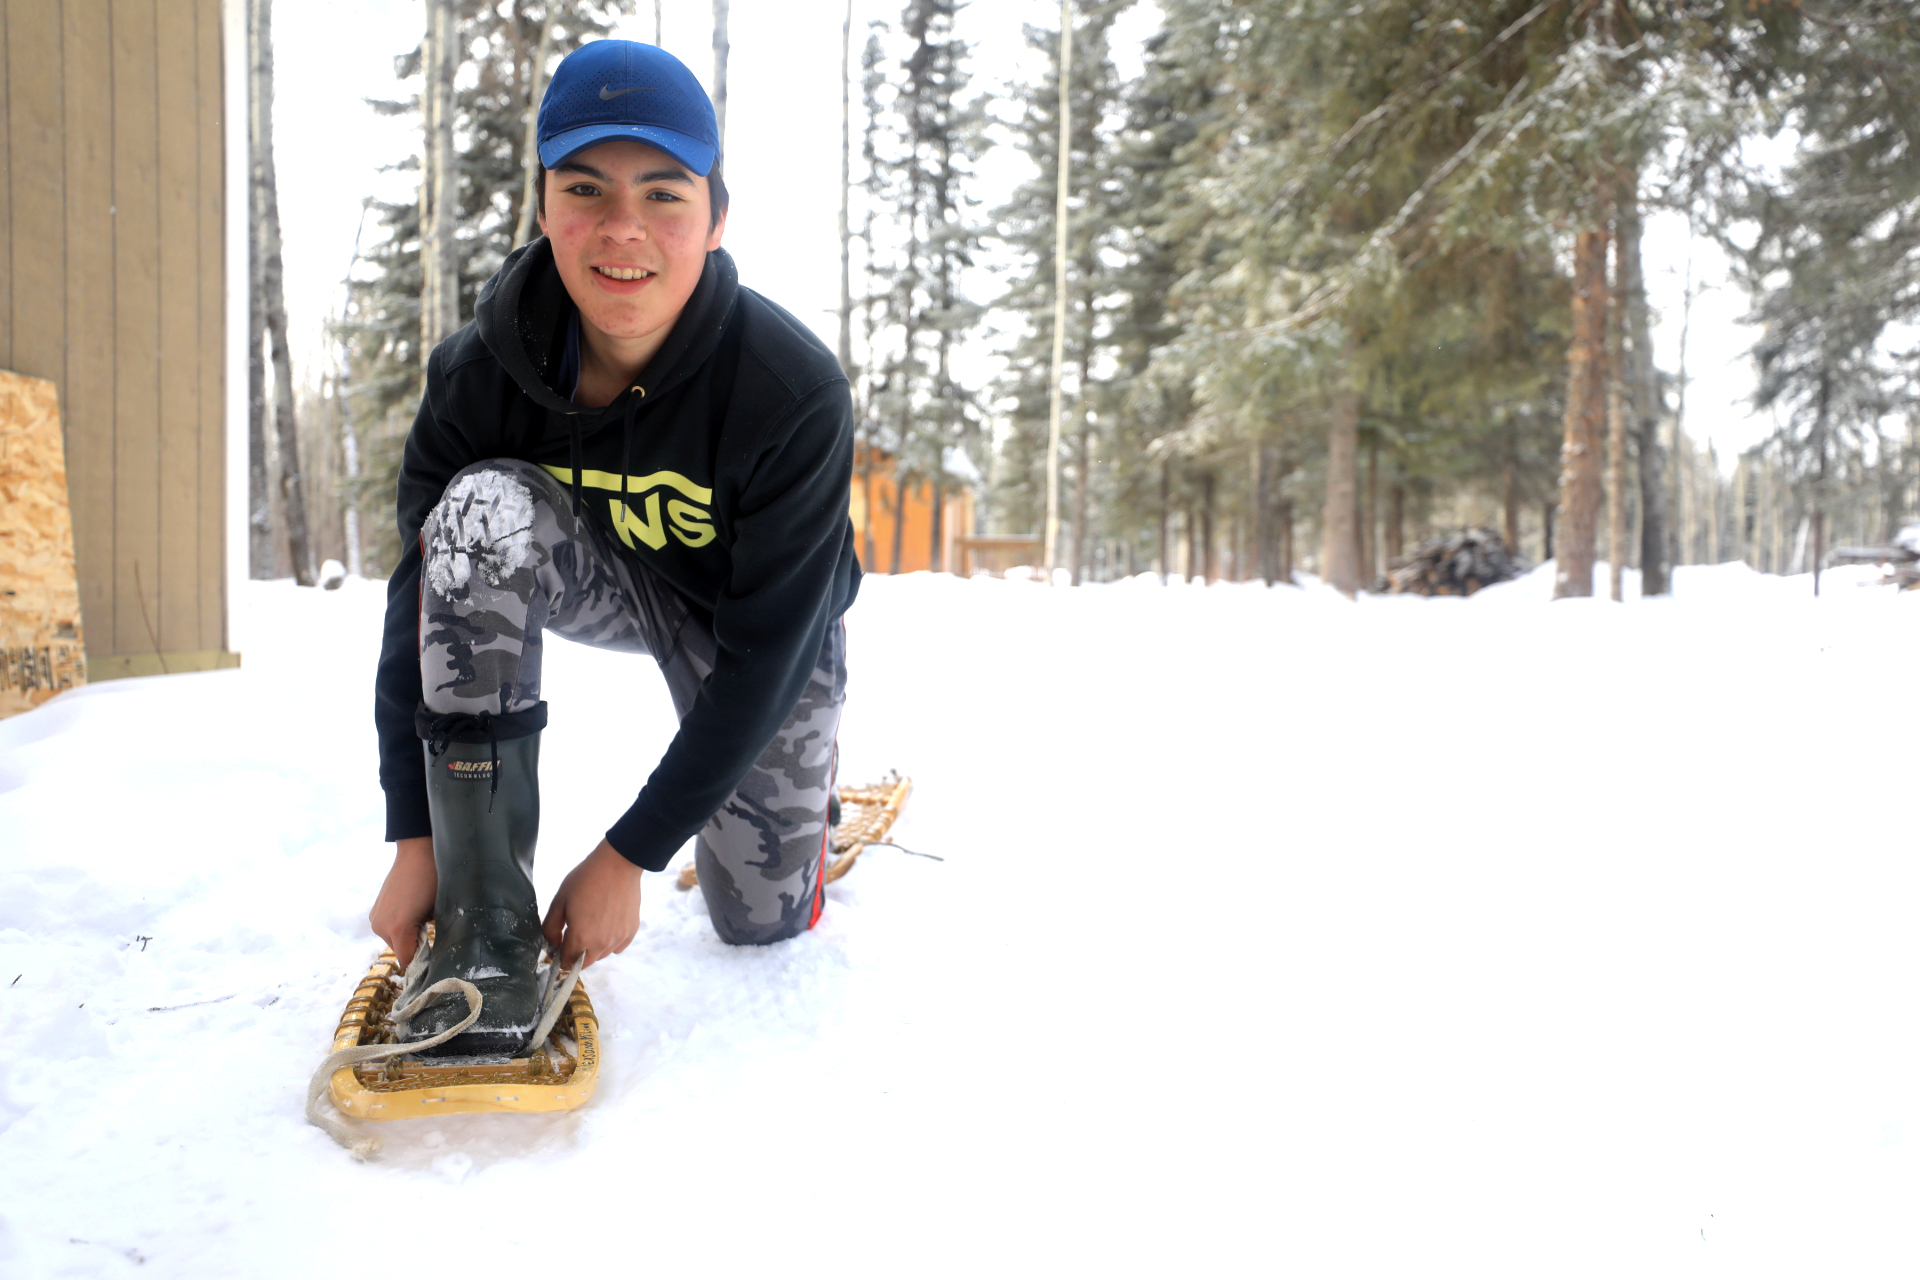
691	524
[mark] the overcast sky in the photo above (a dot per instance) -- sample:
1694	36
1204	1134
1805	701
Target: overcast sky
783	166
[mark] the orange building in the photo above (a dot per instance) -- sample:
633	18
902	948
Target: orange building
875	506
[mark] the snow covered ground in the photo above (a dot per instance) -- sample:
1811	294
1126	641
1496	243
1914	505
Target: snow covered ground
1275	935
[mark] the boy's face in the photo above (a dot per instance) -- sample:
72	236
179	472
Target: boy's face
631	228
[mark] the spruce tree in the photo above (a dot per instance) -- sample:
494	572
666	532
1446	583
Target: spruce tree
1837	261
1167	111
921	163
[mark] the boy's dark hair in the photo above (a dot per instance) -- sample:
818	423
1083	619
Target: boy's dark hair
716	187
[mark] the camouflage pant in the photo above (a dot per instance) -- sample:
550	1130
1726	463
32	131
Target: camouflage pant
506	561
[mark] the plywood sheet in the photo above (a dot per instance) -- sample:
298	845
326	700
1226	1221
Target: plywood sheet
42	650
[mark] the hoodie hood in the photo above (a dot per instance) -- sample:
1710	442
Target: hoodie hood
523	312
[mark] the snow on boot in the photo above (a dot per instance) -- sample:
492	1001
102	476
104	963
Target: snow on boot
484	796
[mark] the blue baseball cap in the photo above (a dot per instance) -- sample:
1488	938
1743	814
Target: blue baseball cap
625	89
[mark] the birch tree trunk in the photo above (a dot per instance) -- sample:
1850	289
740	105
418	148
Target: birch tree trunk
259	498
1579	506
440	295
429	139
530	148
720	48
846	184
1340	548
286	428
1063	163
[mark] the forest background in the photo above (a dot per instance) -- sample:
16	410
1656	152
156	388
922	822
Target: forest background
1338	278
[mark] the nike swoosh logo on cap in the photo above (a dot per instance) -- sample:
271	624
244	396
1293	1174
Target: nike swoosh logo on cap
609	97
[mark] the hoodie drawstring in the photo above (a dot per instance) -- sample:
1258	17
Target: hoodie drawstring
573	457
626	449
626	443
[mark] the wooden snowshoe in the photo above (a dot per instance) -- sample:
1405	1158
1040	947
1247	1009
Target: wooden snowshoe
561	1074
866	814
558	1076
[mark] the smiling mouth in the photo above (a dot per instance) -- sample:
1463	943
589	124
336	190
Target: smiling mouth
624	273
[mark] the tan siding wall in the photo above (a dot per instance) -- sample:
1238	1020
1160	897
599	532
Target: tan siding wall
6	191
112	232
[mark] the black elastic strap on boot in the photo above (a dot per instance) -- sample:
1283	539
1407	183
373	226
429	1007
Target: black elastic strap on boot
438	728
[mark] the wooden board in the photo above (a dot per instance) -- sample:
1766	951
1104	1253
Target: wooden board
42	648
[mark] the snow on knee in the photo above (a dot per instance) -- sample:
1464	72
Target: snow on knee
484	521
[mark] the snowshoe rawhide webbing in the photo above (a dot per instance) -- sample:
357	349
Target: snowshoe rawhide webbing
484	796
370	1077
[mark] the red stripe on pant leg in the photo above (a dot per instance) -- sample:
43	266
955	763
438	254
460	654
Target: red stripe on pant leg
833	781
820	884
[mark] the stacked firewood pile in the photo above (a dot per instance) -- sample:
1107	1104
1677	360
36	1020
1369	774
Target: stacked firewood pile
1458	564
1901	560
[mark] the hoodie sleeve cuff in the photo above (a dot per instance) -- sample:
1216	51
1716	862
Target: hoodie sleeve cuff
643	839
407	813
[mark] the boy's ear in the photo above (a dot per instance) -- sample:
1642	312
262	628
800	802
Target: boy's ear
713	236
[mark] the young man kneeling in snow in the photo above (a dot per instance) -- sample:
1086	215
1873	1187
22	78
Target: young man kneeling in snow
629	449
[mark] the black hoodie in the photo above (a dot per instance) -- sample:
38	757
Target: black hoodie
742	430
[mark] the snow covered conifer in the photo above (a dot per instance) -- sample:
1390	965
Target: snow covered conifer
921	161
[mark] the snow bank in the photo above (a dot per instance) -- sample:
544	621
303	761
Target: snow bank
1250	953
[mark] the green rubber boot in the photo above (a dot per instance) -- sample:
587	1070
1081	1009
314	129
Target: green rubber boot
484	795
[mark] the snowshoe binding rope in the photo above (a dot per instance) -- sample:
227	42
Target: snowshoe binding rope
375	1073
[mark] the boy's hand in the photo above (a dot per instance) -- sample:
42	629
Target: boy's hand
406	899
597	910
